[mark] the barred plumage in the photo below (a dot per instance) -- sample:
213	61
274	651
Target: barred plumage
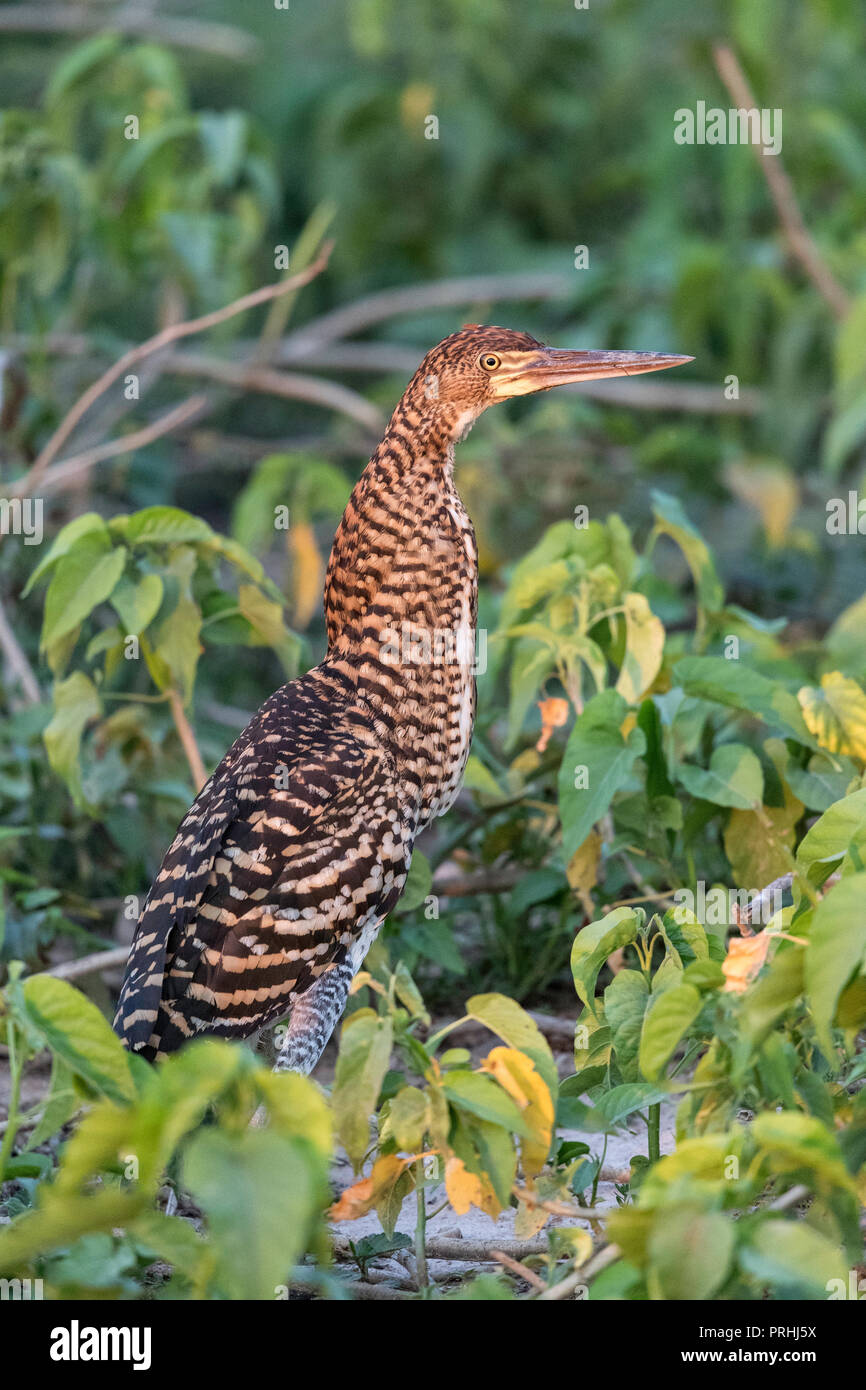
300	843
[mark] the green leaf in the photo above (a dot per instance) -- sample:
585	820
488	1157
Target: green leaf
505	1018
178	644
734	778
171	1239
409	1116
670	1017
596	764
690	1252
781	983
672	521
621	1101
65	540
162	526
61	1103
478	778
792	1259
84	578
792	1142
419	883
625	1002
737	686
76	702
75	1030
365	1050
484	1097
497	1153
825	779
260	1192
137	602
828	839
595	942
835	952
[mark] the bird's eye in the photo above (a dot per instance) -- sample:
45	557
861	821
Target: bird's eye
489	361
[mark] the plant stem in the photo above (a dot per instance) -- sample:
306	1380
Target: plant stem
653	1127
15	1070
420	1226
187	738
594	1192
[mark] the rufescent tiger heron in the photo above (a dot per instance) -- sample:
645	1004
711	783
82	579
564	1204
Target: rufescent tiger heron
299	845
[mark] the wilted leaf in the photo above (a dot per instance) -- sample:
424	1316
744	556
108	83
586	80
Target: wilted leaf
836	714
644	645
517	1075
362	1196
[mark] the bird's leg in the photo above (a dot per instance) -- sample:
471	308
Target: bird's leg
313	1018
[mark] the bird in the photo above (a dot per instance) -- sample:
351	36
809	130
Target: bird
299	845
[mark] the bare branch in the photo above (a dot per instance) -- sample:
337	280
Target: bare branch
76	467
442	294
800	242
160	340
222	40
187	738
289	385
16	660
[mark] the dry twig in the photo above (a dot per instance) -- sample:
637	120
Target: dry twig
159	340
800	242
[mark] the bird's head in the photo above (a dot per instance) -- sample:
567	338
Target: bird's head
480	365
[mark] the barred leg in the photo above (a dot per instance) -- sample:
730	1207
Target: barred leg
313	1018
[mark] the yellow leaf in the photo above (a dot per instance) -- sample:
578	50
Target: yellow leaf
771	489
644	645
516	1074
836	714
756	856
308	572
582	870
362	1196
746	955
464	1189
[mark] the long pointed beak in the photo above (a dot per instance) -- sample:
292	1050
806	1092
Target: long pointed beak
561	367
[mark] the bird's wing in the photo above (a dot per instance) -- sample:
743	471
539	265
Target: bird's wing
301	837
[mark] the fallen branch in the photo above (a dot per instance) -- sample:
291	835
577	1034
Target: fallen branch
800	243
464	1251
608	1255
519	1269
171	334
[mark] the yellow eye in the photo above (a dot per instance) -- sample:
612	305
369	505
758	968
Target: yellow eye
489	361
